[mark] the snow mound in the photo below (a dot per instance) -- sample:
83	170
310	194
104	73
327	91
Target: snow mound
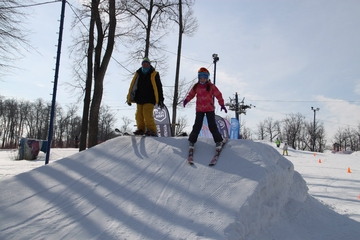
143	188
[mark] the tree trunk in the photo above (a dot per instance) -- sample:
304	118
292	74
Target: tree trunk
148	29
178	57
100	70
88	84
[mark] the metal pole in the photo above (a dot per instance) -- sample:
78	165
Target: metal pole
214	73
236	106
215	60
314	135
57	64
314	132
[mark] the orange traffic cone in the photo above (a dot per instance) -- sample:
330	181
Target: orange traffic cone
314	154
349	171
319	160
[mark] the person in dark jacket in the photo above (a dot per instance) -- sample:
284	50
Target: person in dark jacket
204	91
146	91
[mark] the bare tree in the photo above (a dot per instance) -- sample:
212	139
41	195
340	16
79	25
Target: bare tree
24	108
182	90
12	33
89	77
347	138
30	119
181	125
306	138
100	66
340	138
187	25
100	45
2	110
246	133
73	126
261	132
271	128
150	21
39	119
106	124
127	121
292	126
320	138
60	127
9	121
357	136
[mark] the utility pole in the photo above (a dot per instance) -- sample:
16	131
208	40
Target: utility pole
314	136
57	65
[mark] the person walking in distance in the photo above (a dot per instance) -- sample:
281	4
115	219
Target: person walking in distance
204	91
146	91
277	142
285	149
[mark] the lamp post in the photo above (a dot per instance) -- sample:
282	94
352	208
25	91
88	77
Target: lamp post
314	136
215	60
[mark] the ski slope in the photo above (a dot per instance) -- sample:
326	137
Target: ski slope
143	188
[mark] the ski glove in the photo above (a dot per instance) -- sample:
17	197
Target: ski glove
185	102
161	105
223	108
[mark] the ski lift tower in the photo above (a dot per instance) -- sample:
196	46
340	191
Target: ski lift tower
238	107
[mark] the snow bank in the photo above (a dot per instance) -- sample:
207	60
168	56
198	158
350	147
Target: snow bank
143	188
277	184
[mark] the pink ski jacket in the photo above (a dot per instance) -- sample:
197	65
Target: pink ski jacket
204	99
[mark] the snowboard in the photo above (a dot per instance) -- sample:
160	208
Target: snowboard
127	134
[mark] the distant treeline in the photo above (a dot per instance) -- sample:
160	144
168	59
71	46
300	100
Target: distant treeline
304	135
31	120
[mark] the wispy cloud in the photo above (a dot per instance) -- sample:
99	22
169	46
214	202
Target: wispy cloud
337	114
357	88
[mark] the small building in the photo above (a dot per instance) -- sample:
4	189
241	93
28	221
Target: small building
336	147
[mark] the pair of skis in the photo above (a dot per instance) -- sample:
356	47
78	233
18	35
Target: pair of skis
213	160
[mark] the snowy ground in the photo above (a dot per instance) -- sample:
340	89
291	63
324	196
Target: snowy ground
9	167
142	188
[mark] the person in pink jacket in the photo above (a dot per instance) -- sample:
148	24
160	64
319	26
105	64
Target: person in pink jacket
204	91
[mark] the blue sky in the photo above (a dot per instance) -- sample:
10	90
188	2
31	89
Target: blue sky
283	56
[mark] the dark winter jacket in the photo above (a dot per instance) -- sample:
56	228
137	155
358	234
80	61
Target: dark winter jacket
145	88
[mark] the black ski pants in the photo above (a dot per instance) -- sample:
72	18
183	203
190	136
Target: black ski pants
198	125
